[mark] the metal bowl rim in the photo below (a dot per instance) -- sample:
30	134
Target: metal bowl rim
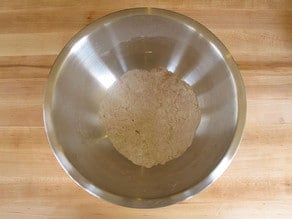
137	202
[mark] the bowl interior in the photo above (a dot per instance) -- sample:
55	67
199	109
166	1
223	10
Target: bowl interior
95	59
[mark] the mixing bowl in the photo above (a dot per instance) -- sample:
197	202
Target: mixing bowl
142	38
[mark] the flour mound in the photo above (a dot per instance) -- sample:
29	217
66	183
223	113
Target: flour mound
150	117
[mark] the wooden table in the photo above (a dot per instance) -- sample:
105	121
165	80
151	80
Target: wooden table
258	184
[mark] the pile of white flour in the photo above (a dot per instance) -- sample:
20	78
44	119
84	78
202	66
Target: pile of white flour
150	117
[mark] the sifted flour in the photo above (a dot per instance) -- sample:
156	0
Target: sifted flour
150	117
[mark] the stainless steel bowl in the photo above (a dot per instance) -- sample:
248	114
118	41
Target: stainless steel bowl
97	56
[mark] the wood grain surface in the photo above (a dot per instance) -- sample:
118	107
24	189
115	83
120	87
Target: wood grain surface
258	184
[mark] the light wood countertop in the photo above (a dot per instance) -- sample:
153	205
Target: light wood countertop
258	184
